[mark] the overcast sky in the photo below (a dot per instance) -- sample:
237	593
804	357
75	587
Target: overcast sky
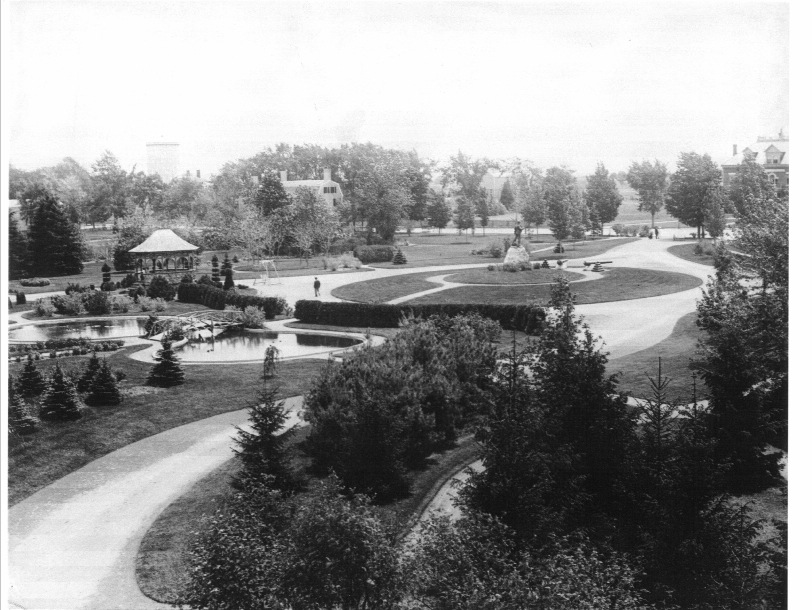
558	83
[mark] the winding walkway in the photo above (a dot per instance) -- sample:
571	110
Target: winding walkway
74	543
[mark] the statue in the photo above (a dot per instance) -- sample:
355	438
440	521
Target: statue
517	232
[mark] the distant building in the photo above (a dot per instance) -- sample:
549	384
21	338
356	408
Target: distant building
163	158
771	152
327	188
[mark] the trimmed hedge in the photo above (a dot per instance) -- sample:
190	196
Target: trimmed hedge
374	254
511	317
217	298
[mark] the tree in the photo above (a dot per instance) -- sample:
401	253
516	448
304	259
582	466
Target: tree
54	242
91	370
270	195
167	371
651	183
506	197
263	450
602	196
179	198
110	187
464	217
31	382
559	195
161	288
693	187
750	187
146	191
60	402
17	250
482	210
716	214
20	419
438	213
135	228
104	387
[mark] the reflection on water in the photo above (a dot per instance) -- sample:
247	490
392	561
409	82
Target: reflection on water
111	328
252	346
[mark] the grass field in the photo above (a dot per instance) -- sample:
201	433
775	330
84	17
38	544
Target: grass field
386	288
617	284
59	448
532	276
688	253
676	352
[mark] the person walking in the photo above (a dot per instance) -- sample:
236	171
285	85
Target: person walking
656	233
316	286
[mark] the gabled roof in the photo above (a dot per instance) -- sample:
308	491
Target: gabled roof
163	240
759	149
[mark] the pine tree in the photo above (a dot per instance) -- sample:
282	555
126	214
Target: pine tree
54	242
20	419
104	388
167	371
31	380
60	402
263	449
17	250
399	258
92	369
506	198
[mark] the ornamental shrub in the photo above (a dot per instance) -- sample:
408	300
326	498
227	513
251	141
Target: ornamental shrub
69	305
495	249
105	273
167	371
160	287
545	264
252	317
35	282
20	297
374	254
559	248
75	287
491	267
60	402
511	267
137	292
97	303
103	388
399	258
215	268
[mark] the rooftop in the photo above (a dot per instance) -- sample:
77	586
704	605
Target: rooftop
163	240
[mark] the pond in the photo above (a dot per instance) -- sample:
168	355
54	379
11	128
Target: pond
251	346
101	329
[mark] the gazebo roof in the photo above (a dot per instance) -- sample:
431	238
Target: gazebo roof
163	240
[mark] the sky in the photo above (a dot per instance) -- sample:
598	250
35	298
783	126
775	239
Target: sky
573	83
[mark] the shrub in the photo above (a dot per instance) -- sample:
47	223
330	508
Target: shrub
137	292
644	231
252	317
97	303
524	266
77	288
495	250
545	264
399	258
105	274
70	305
618	229
537	265
30	382
20	419
121	303
491	267
511	267
128	280
35	282
374	254
20	297
160	287
559	248
216	298
109	286
158	304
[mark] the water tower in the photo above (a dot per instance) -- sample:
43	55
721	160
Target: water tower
163	158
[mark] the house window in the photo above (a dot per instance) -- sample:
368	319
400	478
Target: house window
774	179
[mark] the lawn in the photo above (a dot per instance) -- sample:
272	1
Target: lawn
676	352
59	448
385	289
617	284
688	253
532	276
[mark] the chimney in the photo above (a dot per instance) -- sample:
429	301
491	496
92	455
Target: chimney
327	174
283	175
734	150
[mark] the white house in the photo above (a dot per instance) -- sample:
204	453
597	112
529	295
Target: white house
327	188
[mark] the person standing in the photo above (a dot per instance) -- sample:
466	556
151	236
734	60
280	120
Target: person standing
656	233
316	286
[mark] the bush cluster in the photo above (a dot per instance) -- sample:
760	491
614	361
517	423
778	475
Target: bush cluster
216	298
35	282
20	297
66	343
526	318
345	261
375	254
161	288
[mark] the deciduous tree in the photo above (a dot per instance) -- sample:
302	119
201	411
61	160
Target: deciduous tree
750	187
651	183
602	196
439	214
693	187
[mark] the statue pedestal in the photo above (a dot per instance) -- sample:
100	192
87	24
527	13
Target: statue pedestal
516	254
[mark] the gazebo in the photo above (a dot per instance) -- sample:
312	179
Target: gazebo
169	254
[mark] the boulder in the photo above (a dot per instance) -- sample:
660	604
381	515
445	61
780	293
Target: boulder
517	255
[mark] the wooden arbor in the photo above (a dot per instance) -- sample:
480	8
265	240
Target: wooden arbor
170	255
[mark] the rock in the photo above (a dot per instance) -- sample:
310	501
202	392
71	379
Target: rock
517	255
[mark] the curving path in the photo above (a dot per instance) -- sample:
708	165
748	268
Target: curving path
73	544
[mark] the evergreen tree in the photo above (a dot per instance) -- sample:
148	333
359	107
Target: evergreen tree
167	371
602	196
228	273
104	388
270	195
92	369
506	198
105	273
263	449
54	242
399	258
60	402
17	250
31	380
215	268
20	419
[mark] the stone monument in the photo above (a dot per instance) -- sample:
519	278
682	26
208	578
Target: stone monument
516	253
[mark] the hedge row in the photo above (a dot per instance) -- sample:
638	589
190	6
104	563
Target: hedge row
374	254
217	298
519	317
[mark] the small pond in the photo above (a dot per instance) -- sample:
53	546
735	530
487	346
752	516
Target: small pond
251	346
102	329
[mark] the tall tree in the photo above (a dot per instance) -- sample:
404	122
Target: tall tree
750	187
270	195
439	214
482	211
464	217
179	197
559	192
602	196
146	191
506	197
17	250
651	183
110	187
54	242
692	189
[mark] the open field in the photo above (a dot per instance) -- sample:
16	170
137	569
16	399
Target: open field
617	284
59	448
